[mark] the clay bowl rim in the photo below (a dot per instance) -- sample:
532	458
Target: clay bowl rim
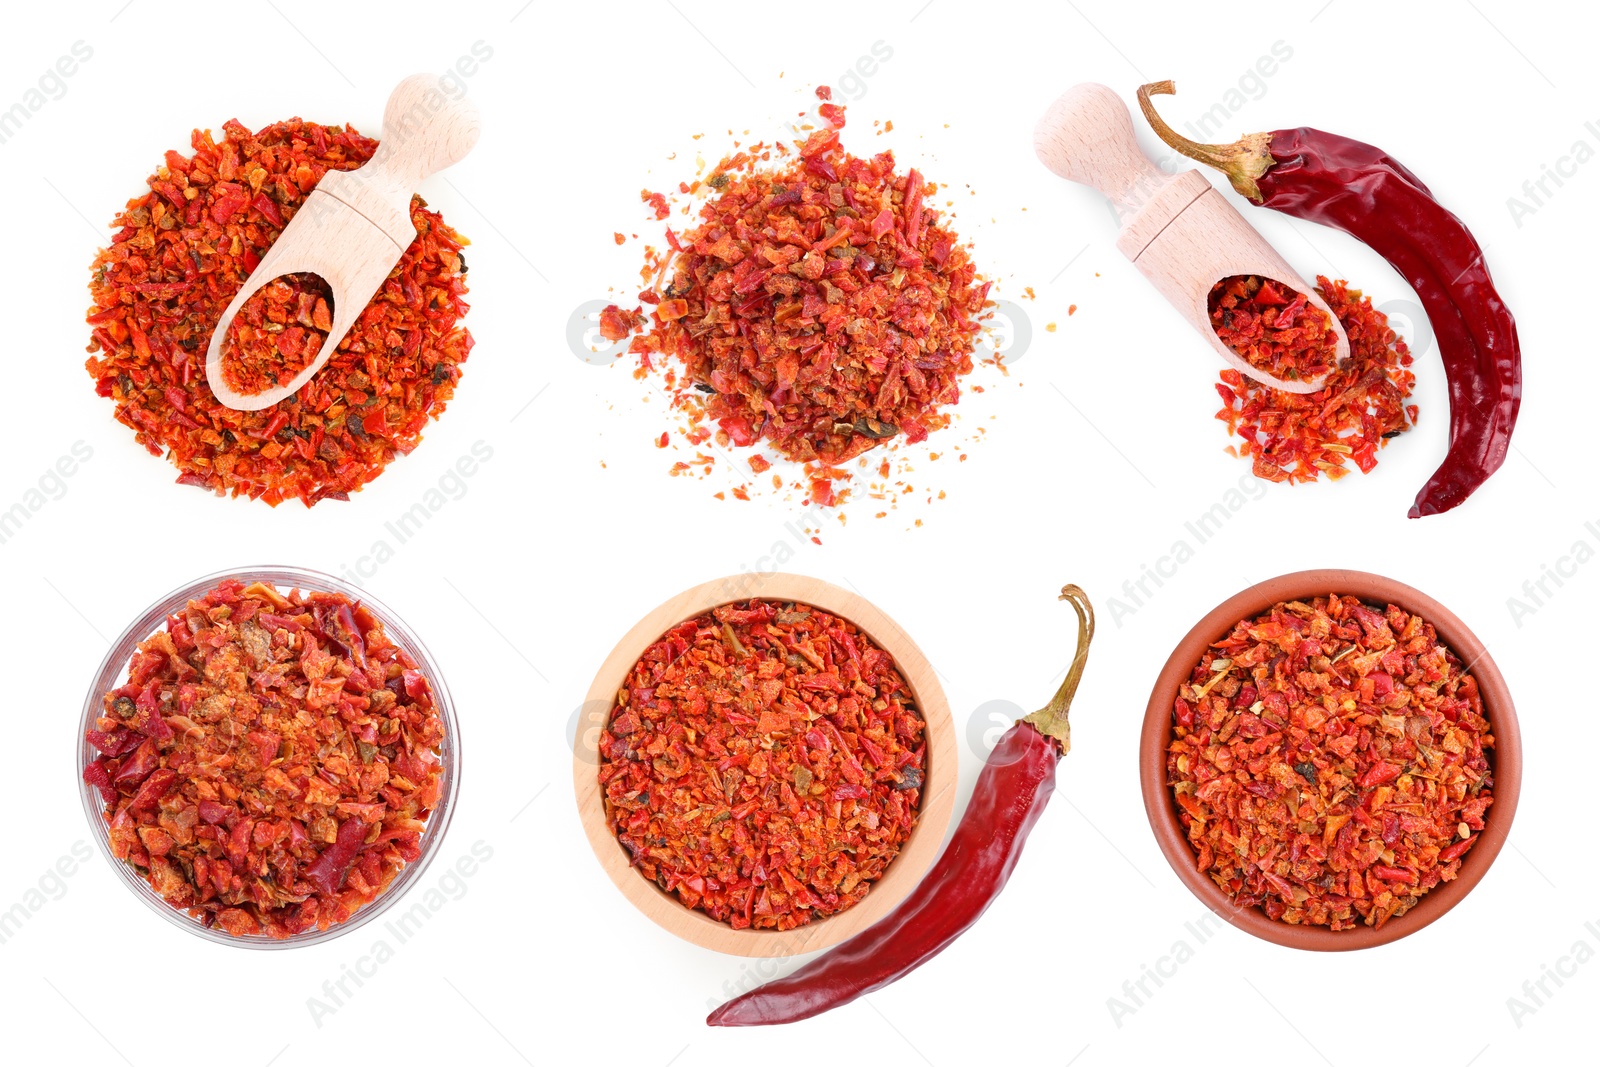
1506	757
916	855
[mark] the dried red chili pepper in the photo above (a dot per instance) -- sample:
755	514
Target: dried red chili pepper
277	333
184	249
1297	437
1365	192
271	762
819	305
1330	762
764	761
1011	793
1272	329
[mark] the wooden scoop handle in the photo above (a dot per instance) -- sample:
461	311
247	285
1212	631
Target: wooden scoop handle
1086	136
424	131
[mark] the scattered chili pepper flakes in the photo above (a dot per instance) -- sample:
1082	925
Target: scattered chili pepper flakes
764	761
270	764
657	203
184	249
818	304
1297	437
277	333
1330	762
1274	330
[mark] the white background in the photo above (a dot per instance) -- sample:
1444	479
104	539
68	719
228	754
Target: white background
1099	446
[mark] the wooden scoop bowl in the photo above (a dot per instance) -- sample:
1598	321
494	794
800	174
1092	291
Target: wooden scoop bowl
356	224
1178	230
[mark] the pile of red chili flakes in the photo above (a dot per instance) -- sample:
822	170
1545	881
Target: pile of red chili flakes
1330	762
1273	329
271	761
818	305
1297	437
763	761
182	252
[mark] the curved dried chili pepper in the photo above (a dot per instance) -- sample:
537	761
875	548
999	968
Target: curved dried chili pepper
1010	796
1365	192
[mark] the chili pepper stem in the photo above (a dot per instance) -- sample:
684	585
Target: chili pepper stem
1243	161
1051	720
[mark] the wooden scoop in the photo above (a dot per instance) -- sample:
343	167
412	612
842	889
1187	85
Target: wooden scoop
1177	229
356	224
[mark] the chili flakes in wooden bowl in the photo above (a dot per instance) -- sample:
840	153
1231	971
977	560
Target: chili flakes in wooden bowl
763	762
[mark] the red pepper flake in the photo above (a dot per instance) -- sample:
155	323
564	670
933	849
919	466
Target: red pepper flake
819	304
1297	437
619	238
270	764
615	323
657	203
824	93
1330	762
764	762
759	464
184	249
277	333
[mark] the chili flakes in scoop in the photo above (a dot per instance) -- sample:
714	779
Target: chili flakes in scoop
1299	437
764	762
270	763
1330	762
277	333
1273	329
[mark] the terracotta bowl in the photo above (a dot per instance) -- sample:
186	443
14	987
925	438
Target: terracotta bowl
938	795
1505	758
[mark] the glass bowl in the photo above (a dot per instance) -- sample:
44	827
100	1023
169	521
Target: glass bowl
113	671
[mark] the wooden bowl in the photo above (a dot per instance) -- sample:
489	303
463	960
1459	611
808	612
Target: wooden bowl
938	793
1505	758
